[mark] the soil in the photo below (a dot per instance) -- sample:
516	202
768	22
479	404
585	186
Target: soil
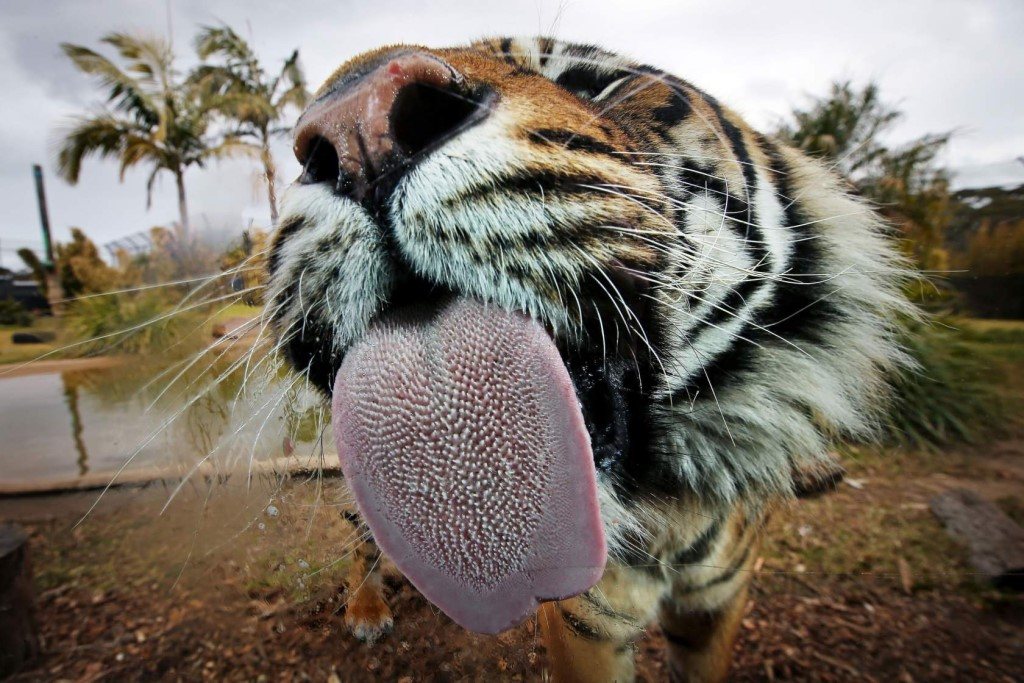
38	367
246	585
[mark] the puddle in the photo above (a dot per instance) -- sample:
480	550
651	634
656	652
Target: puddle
58	426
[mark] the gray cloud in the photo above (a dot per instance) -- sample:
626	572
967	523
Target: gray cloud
949	64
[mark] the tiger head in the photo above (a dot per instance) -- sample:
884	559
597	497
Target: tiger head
717	306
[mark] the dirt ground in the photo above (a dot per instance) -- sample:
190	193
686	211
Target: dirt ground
245	584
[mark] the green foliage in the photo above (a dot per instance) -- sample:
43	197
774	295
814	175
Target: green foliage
128	307
987	234
33	263
143	322
953	397
152	116
246	259
845	129
80	270
13	313
236	86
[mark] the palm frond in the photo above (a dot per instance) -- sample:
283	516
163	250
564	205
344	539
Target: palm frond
148	56
231	147
137	148
101	135
244	106
125	93
150	182
296	96
222	40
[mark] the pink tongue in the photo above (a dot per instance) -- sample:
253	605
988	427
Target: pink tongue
464	444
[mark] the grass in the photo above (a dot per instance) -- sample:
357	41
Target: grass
297	553
22	353
860	535
960	393
985	325
856	535
237	311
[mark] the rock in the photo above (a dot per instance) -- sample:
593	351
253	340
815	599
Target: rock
41	337
996	542
19	632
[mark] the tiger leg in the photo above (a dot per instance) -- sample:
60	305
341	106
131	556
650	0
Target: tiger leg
367	614
590	638
701	616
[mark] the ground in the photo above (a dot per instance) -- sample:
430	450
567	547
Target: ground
243	581
246	586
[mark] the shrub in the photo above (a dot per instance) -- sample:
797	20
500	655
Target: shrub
13	313
139	323
955	396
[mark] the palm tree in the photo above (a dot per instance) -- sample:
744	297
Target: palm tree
151	117
239	88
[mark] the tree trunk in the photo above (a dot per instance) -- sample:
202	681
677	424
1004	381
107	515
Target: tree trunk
270	170
19	638
179	179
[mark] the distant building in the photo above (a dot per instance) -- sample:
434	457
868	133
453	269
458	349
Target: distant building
24	289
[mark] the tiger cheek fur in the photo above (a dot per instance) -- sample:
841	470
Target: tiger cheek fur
723	307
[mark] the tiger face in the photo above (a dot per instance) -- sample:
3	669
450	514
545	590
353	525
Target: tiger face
717	307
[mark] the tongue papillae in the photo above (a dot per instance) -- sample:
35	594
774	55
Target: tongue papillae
462	439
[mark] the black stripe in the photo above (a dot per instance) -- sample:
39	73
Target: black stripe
725	576
739	149
546	182
581	628
606	611
699	549
586	81
799	310
730	307
352	518
714	371
285	231
683	642
632	553
693	176
679	107
574	142
547	46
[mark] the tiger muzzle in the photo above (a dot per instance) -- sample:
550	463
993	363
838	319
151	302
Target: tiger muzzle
362	137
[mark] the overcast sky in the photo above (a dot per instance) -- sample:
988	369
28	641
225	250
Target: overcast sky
948	64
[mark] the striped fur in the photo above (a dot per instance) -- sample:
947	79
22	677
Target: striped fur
734	303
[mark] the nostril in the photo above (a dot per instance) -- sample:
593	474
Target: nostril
424	115
321	164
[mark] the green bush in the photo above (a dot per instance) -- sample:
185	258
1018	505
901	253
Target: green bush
135	323
955	396
13	313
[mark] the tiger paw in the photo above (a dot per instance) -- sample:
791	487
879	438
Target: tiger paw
368	616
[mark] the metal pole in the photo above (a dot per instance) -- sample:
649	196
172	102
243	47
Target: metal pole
44	216
54	292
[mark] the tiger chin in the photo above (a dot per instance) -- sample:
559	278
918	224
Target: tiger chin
580	326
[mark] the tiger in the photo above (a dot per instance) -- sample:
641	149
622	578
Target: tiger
580	326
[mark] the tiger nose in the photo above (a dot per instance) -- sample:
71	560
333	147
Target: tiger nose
359	138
